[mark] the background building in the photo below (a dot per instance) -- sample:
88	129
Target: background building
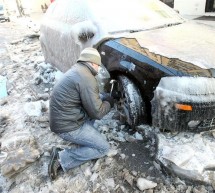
192	7
26	7
185	7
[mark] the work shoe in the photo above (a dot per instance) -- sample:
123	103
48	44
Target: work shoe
54	164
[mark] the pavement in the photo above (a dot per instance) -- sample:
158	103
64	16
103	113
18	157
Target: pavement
207	18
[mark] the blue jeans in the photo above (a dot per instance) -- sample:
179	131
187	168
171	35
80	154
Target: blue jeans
91	143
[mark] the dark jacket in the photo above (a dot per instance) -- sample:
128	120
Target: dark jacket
75	99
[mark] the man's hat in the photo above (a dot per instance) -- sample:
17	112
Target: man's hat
90	55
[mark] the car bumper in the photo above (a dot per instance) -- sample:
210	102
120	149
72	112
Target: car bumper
187	110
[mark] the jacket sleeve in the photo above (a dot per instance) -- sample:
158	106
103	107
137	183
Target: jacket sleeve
93	105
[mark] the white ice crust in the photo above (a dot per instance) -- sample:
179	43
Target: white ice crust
189	151
187	89
67	19
190	42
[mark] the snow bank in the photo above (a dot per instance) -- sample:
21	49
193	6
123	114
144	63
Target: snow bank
190	152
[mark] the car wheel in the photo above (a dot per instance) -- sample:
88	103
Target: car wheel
130	103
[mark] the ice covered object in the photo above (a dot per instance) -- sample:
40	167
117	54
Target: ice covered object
67	28
188	155
194	91
191	46
102	78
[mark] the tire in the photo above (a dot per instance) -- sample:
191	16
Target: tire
130	103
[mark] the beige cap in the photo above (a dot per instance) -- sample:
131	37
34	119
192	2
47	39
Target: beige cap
90	55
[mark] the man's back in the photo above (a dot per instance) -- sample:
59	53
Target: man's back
75	98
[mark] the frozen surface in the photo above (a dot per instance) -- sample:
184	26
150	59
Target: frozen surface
19	130
199	92
21	150
193	152
186	42
187	89
91	21
159	29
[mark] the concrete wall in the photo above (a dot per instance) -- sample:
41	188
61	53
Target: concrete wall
190	7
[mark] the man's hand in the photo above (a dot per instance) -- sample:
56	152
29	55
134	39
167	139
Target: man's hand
108	98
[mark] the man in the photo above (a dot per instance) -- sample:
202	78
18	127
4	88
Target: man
74	103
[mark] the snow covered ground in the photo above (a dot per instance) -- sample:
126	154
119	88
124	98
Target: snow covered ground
26	140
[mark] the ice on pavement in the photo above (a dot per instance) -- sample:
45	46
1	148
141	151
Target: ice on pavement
189	151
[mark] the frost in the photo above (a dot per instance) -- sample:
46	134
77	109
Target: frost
110	182
193	47
112	152
144	184
190	152
183	89
138	136
92	21
94	177
188	85
33	108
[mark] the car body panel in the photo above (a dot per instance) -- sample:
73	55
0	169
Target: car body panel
176	65
186	42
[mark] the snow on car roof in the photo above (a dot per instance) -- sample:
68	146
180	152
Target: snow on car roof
190	41
114	15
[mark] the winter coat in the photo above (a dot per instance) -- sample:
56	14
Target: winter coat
75	99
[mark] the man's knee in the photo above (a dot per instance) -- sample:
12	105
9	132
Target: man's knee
104	148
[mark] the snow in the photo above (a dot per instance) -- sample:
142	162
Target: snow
144	184
24	129
189	151
92	176
33	108
189	85
93	18
146	13
171	90
184	42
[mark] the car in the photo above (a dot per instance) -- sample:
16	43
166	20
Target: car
163	64
3	14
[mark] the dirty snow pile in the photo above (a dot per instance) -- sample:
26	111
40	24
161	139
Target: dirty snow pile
26	140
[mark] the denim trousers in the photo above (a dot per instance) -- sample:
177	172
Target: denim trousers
91	145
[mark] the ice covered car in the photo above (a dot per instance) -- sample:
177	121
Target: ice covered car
163	64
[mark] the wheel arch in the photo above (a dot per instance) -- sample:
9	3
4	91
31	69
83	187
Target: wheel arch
115	73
